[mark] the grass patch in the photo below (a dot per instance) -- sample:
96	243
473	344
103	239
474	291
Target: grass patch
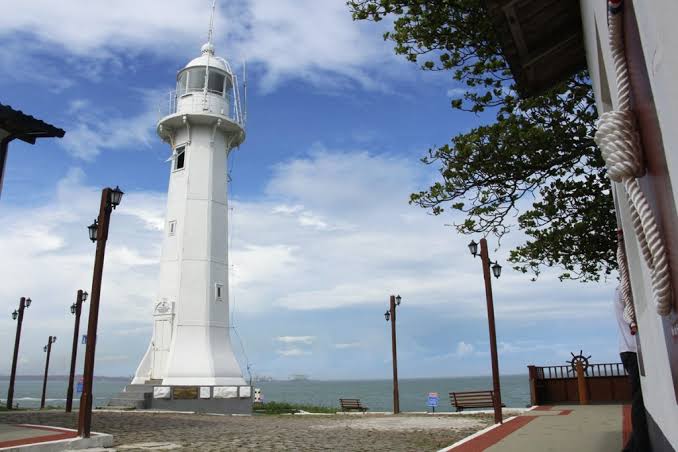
285	407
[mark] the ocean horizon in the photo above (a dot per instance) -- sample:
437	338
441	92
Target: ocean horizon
374	393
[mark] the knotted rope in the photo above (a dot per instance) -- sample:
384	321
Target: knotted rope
619	142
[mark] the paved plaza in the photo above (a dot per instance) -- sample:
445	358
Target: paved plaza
143	431
588	428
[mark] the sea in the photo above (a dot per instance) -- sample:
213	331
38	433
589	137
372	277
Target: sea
375	394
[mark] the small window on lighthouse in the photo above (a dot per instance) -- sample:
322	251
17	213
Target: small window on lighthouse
179	158
219	291
172	227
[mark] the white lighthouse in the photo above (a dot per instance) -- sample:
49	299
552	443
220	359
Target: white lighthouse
191	346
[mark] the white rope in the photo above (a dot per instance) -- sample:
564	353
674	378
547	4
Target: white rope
619	142
625	286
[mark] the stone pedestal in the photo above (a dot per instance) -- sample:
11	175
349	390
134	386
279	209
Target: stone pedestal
203	399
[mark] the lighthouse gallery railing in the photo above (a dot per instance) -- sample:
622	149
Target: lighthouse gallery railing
197	102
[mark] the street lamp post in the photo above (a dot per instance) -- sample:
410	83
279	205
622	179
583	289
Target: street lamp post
76	308
496	271
48	349
17	315
98	232
391	315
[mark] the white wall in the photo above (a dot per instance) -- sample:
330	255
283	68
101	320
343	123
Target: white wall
659	36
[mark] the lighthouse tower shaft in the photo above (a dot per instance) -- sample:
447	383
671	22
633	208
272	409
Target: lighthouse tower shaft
191	337
194	265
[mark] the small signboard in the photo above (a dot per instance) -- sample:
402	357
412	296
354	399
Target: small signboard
433	399
81	382
185	392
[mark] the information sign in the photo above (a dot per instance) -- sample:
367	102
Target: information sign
433	400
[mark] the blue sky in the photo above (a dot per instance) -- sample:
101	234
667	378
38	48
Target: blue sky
321	231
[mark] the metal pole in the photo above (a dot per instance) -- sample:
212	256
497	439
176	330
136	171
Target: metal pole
44	381
396	395
581	385
74	352
485	259
85	412
20	319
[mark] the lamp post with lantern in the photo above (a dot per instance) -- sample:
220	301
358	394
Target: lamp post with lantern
47	349
390	315
76	308
17	315
496	271
98	233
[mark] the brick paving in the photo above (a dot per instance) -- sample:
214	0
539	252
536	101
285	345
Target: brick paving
199	432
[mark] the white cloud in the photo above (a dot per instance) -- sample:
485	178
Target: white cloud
308	340
305	217
464	349
52	258
113	358
345	345
94	129
456	92
293	352
312	40
302	39
29	62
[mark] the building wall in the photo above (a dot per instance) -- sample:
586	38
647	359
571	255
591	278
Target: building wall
653	63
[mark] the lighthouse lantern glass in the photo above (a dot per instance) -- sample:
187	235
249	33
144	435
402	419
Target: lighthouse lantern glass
216	82
196	79
181	83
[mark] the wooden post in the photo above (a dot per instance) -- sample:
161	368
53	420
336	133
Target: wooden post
12	377
44	380
74	352
86	400
532	372
396	395
581	385
485	259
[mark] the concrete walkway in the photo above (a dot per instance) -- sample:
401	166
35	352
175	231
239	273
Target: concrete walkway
589	428
30	437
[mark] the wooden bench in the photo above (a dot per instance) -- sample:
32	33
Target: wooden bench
472	399
352	404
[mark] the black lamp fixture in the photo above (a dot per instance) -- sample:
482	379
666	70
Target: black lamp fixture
93	230
387	315
473	248
496	270
398	299
73	308
44	349
116	197
28	302
15	314
84	296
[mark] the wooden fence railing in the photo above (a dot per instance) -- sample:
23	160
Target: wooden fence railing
594	370
606	382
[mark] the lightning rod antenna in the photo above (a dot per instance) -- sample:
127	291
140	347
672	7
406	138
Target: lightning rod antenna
244	88
209	51
209	33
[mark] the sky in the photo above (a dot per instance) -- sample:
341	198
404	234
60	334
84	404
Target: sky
321	232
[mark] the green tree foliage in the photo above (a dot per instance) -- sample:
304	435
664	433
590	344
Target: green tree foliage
535	167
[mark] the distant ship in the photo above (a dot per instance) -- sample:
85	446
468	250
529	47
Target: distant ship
299	377
260	378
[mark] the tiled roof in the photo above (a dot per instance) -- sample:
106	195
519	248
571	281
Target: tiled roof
26	127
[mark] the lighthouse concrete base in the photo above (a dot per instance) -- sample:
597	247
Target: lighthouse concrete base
200	399
204	399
